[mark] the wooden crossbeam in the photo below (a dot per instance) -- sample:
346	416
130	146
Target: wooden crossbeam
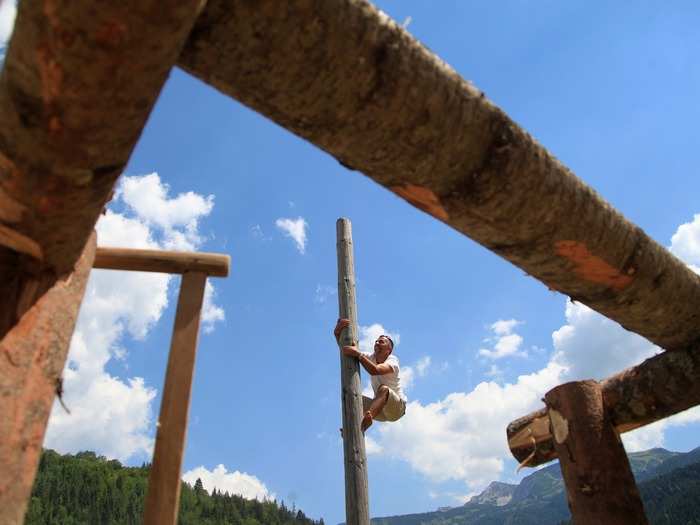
76	88
661	386
32	357
212	264
350	80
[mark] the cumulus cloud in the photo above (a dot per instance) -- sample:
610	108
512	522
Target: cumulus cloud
505	343
685	243
113	415
295	229
211	312
409	373
235	482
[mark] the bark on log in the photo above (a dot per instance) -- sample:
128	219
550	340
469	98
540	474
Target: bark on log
32	358
600	487
350	80
661	386
77	86
355	457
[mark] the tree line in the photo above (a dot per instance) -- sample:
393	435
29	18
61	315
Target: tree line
86	489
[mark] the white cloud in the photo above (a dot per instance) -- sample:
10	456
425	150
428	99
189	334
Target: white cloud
324	292
8	12
370	333
409	373
371	446
178	217
211	312
296	229
235	482
685	243
506	343
112	415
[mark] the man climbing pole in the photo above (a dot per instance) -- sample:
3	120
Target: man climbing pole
389	402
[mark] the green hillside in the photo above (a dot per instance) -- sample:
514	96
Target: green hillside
669	483
85	489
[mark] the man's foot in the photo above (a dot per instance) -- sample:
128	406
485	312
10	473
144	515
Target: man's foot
366	421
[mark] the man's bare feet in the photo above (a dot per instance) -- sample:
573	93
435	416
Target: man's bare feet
366	421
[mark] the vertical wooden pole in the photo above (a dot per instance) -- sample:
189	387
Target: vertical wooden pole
162	499
599	483
356	492
32	356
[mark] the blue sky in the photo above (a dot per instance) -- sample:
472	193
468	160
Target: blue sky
610	90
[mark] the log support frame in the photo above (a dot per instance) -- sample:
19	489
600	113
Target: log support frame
599	483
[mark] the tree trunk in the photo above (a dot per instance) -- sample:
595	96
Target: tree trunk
356	485
347	78
78	83
600	487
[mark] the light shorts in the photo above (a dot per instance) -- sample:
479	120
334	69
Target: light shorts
394	409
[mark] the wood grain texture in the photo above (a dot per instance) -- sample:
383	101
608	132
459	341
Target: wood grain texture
212	264
600	487
163	496
32	356
344	76
355	457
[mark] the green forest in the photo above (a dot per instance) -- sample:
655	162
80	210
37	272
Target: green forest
85	489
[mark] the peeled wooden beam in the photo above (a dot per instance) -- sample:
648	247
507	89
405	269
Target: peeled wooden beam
661	386
600	487
32	357
163	496
344	76
212	264
78	83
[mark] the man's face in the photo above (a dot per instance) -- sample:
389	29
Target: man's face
382	348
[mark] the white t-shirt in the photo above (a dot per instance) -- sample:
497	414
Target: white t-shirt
392	379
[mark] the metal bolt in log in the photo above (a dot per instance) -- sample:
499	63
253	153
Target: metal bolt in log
599	483
355	458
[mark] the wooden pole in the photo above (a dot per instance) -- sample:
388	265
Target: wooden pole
661	386
162	499
356	491
32	357
599	483
213	264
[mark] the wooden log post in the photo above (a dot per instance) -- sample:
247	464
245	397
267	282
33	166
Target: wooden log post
599	483
661	386
162	261
163	496
32	357
76	88
356	486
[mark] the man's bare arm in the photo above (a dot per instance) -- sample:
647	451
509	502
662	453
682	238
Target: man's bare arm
372	368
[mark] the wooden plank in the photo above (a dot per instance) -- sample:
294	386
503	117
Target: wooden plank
32	357
213	264
661	386
600	487
355	457
347	78
76	89
163	496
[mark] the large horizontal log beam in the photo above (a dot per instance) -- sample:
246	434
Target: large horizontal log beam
77	86
342	75
162	261
661	386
